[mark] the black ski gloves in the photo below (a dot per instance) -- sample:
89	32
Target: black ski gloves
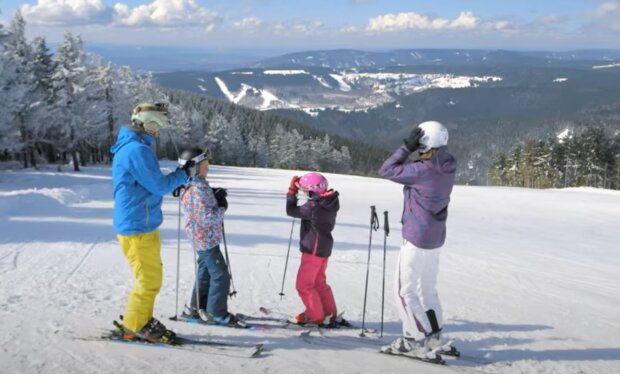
220	196
178	191
413	141
189	168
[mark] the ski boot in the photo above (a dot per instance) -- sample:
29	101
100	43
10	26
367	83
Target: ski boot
229	320
434	342
410	347
302	319
190	313
153	332
336	323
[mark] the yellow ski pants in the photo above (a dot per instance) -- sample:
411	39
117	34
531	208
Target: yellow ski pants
143	254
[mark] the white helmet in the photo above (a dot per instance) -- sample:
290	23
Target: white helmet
435	135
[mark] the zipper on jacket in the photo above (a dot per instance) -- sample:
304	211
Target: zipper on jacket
146	208
316	244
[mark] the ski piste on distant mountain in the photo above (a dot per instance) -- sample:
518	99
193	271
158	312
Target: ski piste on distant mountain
313	90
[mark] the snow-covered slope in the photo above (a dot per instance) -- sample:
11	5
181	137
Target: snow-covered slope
528	278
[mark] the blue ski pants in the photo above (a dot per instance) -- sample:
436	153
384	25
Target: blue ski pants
212	283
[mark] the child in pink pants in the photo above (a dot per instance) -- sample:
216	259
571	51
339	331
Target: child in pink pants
318	217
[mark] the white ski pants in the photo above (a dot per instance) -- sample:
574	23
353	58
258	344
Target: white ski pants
415	288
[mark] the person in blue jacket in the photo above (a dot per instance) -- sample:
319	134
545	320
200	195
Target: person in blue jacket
139	187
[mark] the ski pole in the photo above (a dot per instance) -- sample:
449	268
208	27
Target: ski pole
232	283
176	307
386	233
197	288
374	225
286	262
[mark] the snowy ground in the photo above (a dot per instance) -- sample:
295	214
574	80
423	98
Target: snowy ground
529	279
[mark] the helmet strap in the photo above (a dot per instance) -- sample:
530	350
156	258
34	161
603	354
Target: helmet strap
428	154
151	128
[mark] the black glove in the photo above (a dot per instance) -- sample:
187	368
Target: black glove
413	141
220	196
189	168
178	191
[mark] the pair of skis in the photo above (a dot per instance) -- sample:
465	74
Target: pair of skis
180	342
310	333
315	334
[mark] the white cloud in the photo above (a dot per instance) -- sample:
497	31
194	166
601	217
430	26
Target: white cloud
410	21
303	28
465	20
249	24
66	12
413	21
550	20
607	15
166	13
349	30
161	13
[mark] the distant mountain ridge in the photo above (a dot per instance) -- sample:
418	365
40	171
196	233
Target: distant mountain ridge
350	58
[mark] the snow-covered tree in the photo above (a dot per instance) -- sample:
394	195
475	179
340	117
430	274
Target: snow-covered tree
589	158
258	151
8	95
287	149
225	141
39	97
341	159
319	153
20	81
112	88
77	114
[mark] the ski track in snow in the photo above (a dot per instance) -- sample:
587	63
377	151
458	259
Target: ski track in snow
528	281
83	260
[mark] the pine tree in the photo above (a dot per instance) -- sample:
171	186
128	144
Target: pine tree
8	96
41	96
20	57
497	171
77	112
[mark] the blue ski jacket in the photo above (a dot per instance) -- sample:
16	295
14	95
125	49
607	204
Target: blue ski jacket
139	184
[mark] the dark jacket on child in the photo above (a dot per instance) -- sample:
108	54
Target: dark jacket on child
318	217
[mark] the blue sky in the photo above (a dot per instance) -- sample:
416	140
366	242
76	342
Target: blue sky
301	24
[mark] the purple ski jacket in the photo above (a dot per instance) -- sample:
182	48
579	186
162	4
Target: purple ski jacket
318	218
428	185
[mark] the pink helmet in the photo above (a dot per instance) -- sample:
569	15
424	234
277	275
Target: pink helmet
313	182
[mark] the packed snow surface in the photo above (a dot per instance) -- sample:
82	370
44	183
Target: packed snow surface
528	279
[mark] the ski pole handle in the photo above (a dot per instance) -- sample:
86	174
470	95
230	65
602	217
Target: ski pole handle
386	224
374	220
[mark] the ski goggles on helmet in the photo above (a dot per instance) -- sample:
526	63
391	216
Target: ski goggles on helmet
147	107
204	156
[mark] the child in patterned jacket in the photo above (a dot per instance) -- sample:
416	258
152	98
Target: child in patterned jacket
203	209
